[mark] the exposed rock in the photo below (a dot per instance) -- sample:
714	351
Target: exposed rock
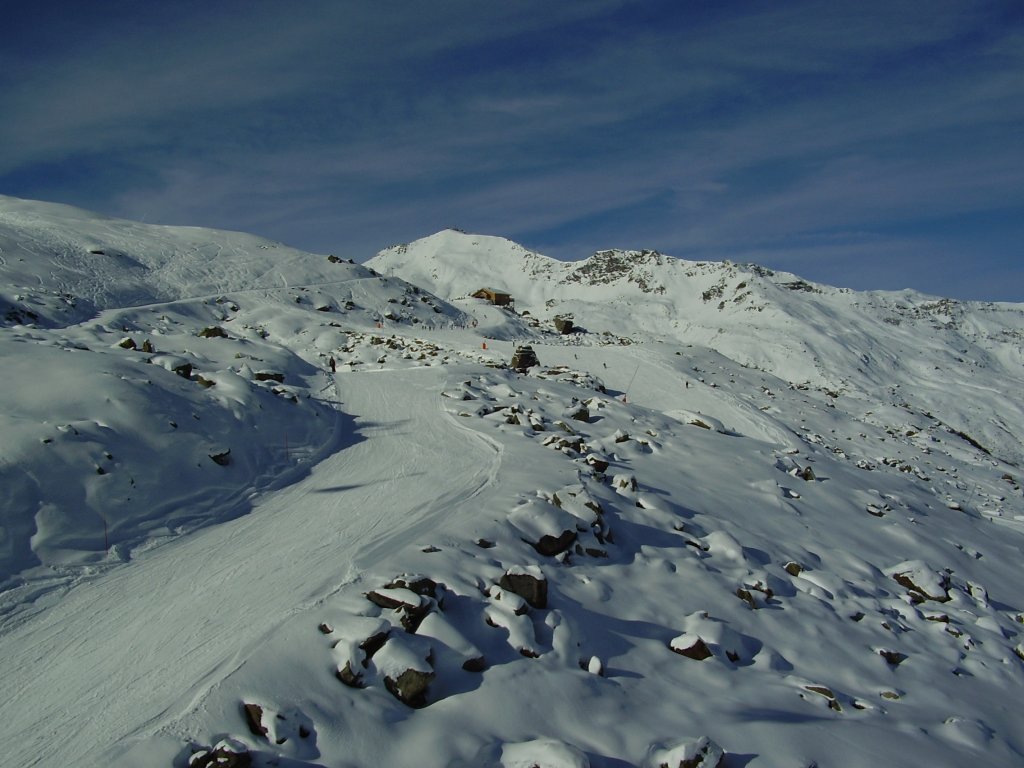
792	568
691	646
923	584
893	658
690	753
412	606
410	687
747	595
254	719
420	585
524	358
581	413
371	645
213	332
549	546
394	598
564	324
225	754
128	343
513	603
349	677
821	690
183	369
147	347
529	583
223	458
269	376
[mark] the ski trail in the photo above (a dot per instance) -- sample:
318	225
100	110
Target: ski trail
122	653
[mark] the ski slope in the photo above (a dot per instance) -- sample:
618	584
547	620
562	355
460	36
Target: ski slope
145	641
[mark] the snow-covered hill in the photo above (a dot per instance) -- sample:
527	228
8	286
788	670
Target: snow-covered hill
737	517
934	355
136	353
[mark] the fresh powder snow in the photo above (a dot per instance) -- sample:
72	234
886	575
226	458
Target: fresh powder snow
271	508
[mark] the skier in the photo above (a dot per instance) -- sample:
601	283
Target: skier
332	365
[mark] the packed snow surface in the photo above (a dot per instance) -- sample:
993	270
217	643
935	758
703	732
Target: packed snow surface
268	507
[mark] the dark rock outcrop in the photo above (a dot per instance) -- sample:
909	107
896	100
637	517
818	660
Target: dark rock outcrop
533	589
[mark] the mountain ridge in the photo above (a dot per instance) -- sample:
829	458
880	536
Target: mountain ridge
805	333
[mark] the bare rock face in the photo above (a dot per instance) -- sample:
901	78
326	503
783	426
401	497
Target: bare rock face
524	358
371	645
528	583
549	546
410	687
254	719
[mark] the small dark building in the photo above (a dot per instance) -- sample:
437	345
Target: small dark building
524	358
497	298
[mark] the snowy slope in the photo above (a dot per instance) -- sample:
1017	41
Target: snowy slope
137	357
935	355
690	532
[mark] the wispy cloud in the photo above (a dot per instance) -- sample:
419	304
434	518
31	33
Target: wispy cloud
701	129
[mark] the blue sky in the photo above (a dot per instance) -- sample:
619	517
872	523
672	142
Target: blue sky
863	144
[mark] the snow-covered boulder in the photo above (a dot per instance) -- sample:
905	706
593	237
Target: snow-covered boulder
689	753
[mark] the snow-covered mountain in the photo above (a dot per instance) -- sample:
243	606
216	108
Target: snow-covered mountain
264	507
933	354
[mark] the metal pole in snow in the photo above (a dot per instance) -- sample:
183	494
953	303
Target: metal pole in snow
626	393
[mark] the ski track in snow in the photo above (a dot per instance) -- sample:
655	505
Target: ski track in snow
313	538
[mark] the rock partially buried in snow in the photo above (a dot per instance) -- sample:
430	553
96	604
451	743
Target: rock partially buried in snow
407	674
224	754
691	753
547	528
691	646
254	719
922	582
529	583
